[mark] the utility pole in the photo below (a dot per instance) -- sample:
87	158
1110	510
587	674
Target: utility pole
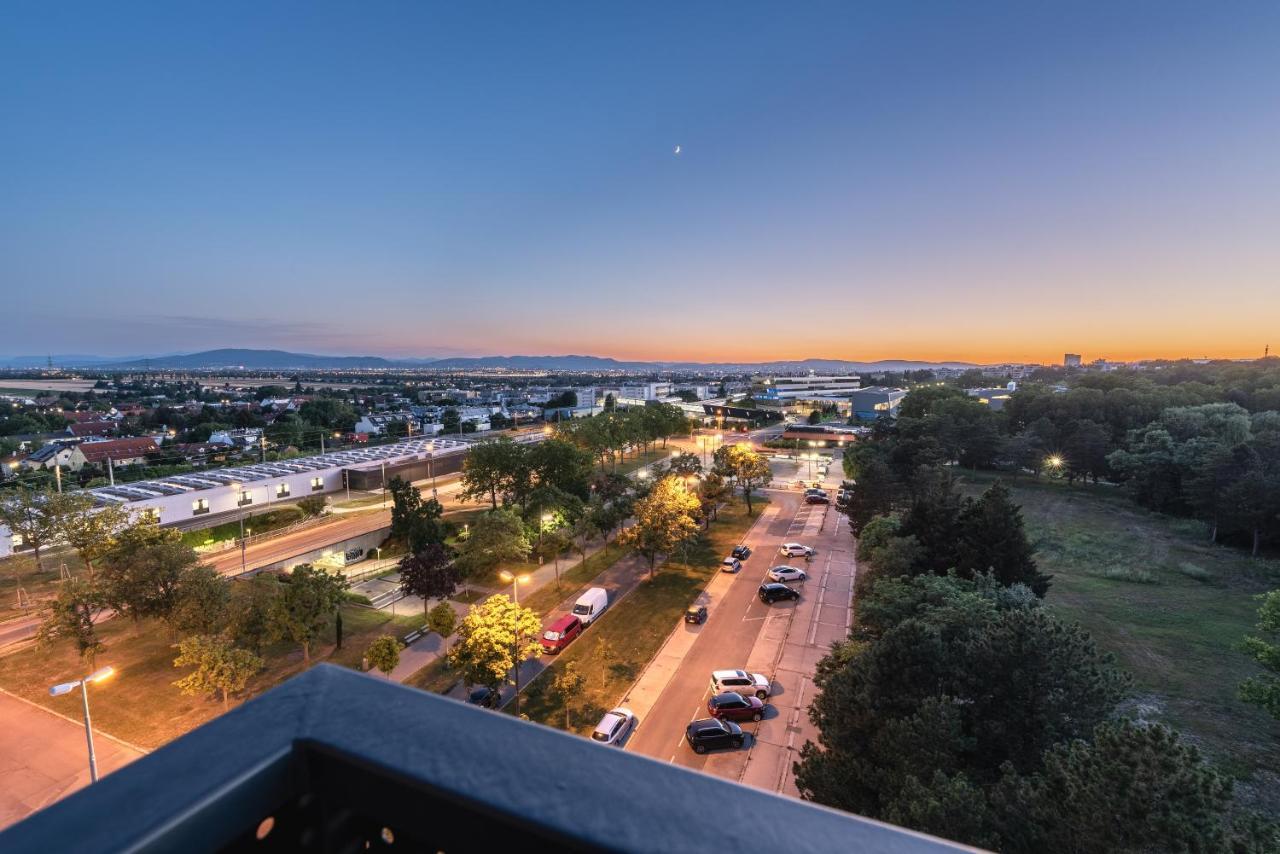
57	471
111	471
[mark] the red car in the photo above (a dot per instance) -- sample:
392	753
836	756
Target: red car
735	707
559	634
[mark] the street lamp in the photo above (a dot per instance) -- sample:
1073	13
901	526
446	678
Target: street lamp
83	685
516	581
1054	462
240	507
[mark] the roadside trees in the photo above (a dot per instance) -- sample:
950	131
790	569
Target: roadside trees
493	638
252	603
492	469
429	574
221	668
203	604
27	513
90	532
414	521
665	518
567	687
495	537
303	606
72	616
749	470
443	620
143	572
384	653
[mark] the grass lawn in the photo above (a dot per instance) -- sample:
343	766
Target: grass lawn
634	630
260	523
19	570
643	458
1171	607
435	677
140	704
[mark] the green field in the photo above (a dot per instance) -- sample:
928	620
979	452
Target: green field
1170	606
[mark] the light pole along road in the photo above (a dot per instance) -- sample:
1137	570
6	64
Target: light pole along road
83	685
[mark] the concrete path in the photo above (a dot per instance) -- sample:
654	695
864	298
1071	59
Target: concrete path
44	758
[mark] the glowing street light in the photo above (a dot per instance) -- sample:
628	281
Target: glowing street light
1054	462
83	685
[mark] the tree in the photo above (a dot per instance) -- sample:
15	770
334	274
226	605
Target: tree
993	540
748	469
384	653
72	615
491	469
933	518
312	505
429	574
302	608
1264	648
686	465
252	604
715	490
567	688
143	573
26	513
1133	787
91	532
492	638
414	521
557	464
443	620
496	537
203	604
220	667
815	417
665	518
450	420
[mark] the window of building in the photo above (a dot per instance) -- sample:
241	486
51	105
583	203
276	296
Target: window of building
199	506
317	483
282	490
246	497
17	541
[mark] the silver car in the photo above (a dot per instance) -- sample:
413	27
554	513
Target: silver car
613	727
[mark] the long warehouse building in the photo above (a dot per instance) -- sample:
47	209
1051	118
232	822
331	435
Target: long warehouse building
206	497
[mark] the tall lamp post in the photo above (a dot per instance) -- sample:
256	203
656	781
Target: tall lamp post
240	509
516	581
83	685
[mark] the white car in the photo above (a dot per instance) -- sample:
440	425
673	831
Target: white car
614	726
730	564
796	550
740	682
785	574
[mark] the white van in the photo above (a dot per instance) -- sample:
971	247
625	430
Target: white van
591	605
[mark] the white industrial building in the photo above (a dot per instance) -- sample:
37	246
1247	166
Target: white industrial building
218	492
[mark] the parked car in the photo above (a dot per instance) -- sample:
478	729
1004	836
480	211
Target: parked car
561	633
591	605
614	726
775	592
711	734
735	707
486	697
741	682
818	497
696	614
742	552
785	574
730	564
796	550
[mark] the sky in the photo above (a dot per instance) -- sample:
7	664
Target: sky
986	181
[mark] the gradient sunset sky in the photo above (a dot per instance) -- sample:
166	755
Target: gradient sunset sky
976	181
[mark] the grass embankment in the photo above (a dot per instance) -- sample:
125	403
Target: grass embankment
19	571
140	704
260	523
633	630
643	458
1171	607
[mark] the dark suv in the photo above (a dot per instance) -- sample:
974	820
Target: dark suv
711	734
774	592
735	707
742	552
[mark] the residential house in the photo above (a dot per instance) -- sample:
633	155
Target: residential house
120	452
51	456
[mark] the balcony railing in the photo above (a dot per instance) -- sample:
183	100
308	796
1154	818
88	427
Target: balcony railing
334	760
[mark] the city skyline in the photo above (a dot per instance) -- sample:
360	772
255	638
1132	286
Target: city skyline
995	185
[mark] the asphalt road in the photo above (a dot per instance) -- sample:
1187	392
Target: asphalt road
723	643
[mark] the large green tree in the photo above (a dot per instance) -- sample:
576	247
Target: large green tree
304	605
493	638
493	469
414	521
665	518
993	540
495	537
219	667
143	573
1264	648
30	514
429	574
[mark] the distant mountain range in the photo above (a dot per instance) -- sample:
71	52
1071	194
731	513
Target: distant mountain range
244	359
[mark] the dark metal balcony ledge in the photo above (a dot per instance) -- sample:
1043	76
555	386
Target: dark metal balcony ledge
334	760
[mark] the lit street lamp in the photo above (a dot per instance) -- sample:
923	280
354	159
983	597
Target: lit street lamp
83	685
516	581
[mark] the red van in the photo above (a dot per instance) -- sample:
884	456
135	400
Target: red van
560	633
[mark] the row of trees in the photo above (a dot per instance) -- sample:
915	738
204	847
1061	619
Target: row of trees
608	437
963	708
1173	449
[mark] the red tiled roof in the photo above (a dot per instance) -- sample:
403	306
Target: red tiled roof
120	449
92	428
